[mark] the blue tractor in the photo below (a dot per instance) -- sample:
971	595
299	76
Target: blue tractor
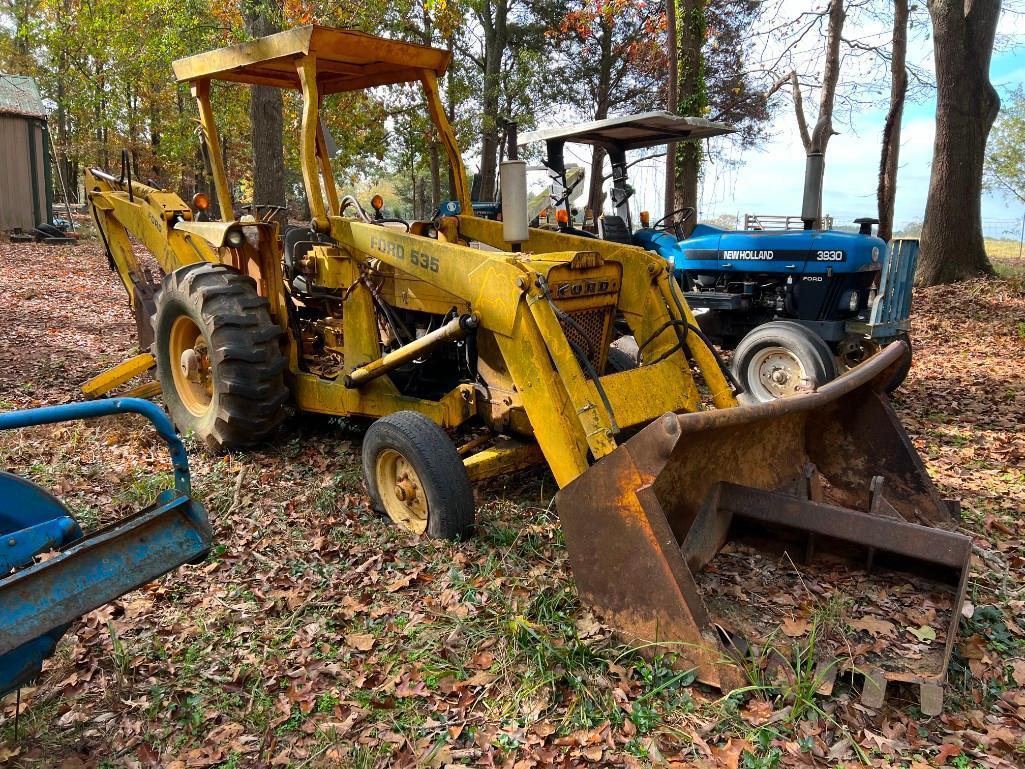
52	573
796	306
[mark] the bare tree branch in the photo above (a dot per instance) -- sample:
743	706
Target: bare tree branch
802	123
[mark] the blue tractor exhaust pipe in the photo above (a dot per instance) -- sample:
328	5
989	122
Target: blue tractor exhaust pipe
811	208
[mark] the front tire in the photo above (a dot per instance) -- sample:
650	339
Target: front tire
622	355
779	358
218	360
416	478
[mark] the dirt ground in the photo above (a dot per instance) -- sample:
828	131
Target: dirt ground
317	635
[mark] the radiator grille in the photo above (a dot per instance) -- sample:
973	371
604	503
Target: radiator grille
591	332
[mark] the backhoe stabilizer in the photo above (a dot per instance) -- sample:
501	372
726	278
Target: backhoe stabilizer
794	477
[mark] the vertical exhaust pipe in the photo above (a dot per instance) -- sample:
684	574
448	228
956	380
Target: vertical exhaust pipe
513	184
811	209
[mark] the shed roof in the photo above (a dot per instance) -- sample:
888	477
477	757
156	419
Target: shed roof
19	95
346	60
633	131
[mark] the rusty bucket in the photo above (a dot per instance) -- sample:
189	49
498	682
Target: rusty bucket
704	534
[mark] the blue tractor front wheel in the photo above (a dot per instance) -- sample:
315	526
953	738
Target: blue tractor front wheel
782	358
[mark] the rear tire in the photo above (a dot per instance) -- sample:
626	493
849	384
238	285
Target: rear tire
905	365
416	478
218	360
773	360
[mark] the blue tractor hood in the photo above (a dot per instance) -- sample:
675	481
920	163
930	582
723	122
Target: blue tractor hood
785	251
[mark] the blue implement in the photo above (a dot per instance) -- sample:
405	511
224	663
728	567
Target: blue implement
38	600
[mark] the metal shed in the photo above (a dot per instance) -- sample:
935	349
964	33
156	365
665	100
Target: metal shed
26	192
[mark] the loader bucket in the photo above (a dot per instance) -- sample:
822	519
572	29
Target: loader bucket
701	535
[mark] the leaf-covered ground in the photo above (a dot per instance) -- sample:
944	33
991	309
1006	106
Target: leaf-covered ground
317	635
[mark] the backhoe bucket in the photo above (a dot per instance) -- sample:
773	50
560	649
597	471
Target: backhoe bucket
722	535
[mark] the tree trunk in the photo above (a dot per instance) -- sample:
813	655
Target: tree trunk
818	138
496	38
691	101
823	131
435	162
953	248
263	17
672	100
601	111
887	191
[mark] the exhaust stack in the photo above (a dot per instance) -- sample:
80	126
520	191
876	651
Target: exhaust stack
811	209
513	183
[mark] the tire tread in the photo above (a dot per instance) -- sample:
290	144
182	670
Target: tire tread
249	365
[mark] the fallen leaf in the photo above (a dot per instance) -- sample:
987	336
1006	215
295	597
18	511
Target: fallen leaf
924	634
947	750
363	642
1018	672
796	627
973	647
587	625
593	753
729	754
757	711
874	626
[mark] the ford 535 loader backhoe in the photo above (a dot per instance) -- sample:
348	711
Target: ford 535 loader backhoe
483	347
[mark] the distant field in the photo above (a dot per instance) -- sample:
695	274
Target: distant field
1003	249
1005	256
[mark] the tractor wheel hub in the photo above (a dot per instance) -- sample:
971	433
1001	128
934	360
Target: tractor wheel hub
189	363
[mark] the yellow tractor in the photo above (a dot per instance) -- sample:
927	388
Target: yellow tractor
483	347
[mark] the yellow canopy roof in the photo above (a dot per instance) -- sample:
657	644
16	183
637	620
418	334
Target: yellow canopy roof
346	60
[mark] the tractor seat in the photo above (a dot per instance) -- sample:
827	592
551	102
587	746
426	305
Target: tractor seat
297	243
614	229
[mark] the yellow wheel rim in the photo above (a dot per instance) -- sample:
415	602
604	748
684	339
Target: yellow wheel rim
189	360
401	491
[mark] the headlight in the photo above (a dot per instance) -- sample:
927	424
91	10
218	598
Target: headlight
235	238
875	253
853	303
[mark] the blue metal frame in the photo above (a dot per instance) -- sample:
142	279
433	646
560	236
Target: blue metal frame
39	600
104	408
100	567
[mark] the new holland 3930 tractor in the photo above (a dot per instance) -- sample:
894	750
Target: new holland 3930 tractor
796	306
482	347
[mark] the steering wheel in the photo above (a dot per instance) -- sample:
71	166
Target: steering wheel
687	211
262	212
383	220
362	215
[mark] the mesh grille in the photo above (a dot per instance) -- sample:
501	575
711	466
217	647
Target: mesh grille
590	332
